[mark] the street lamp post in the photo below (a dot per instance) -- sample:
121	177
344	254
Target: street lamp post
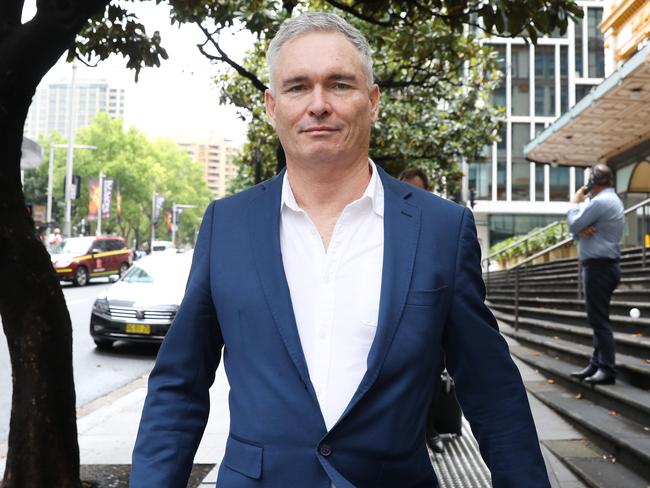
50	178
68	166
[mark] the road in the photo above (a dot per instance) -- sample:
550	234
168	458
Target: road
96	373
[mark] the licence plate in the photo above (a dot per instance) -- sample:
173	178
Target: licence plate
137	329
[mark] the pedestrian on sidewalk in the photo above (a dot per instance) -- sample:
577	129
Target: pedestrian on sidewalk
332	290
597	225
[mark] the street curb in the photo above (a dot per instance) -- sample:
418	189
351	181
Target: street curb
90	407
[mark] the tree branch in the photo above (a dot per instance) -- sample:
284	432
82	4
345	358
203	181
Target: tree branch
257	83
358	15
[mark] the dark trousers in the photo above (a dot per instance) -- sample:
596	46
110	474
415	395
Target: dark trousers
600	277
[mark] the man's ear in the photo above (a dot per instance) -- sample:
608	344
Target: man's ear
269	104
374	102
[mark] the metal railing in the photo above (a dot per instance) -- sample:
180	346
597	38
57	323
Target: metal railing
524	263
524	240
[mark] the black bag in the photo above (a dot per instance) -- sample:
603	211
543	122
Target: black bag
445	415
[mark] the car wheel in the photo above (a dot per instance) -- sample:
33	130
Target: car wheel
103	344
123	268
80	276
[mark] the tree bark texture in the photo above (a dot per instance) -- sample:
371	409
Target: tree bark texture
42	446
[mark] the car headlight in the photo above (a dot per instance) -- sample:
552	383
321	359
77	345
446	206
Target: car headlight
101	306
62	263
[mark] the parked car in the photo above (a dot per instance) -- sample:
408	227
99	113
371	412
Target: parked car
78	259
142	304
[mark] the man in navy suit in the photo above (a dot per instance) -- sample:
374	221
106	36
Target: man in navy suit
331	291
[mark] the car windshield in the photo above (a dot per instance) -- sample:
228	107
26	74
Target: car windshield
137	275
76	245
159	271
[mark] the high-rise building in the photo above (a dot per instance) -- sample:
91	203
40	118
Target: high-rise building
540	83
49	109
216	156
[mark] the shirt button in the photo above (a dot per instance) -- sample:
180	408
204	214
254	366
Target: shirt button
325	450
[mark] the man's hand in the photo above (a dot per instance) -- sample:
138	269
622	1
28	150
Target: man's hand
587	232
580	195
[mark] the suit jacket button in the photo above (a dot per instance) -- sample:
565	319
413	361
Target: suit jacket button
325	449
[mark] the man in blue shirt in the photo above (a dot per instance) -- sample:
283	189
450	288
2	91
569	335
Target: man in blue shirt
597	225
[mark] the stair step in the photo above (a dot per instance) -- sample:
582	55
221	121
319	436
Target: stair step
634	345
635	370
594	466
627	304
629	401
626	440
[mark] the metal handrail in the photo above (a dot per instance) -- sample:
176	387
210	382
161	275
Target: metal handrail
529	259
523	239
543	252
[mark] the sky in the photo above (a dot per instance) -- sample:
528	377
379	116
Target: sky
179	100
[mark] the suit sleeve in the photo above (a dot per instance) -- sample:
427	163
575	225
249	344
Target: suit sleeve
177	405
488	384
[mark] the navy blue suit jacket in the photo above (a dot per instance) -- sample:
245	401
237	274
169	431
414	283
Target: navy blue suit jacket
237	302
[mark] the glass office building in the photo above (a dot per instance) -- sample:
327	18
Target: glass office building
540	83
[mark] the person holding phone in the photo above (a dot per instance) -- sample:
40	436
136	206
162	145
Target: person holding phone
597	225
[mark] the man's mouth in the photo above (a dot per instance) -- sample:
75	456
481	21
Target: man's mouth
319	128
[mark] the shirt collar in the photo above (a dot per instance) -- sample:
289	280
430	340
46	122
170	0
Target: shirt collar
374	193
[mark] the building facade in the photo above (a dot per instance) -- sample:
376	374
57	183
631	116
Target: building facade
611	125
49	109
216	156
539	84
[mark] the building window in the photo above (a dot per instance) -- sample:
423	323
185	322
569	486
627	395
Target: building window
582	91
596	44
520	80
502	162
539	170
499	94
578	49
545	81
520	167
539	182
564	79
480	176
559	183
503	226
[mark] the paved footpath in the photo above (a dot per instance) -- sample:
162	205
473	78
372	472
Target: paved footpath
108	427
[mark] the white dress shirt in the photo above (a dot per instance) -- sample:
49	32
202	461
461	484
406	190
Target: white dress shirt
335	294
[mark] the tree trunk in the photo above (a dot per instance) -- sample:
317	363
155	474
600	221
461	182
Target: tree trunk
42	446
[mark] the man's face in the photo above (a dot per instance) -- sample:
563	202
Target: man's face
321	106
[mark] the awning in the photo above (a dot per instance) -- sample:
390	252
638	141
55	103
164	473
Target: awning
612	118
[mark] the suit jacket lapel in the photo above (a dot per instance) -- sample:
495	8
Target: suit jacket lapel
401	231
264	226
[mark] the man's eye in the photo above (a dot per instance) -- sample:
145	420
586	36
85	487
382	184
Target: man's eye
341	86
296	88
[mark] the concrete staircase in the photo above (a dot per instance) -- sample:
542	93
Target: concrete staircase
554	338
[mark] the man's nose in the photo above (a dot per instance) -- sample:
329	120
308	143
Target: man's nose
319	104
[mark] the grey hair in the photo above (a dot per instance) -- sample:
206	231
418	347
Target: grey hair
319	22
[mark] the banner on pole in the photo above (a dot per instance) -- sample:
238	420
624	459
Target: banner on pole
168	220
106	197
93	198
160	200
118	205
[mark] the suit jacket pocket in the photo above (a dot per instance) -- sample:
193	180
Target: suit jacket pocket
243	457
424	298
